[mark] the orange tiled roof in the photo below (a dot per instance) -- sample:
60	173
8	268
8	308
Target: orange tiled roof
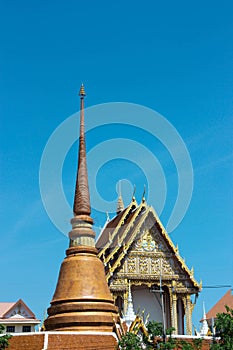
219	307
4	307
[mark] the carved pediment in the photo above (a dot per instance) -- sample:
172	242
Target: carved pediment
150	240
145	251
150	256
150	265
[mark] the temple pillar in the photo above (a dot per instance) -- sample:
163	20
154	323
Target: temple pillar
188	315
173	299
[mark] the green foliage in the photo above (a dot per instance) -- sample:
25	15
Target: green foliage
3	338
130	341
224	328
155	328
170	330
157	340
185	345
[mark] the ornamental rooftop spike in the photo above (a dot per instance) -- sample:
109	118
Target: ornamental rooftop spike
120	203
82	197
82	91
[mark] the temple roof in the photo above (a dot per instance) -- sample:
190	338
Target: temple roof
119	234
219	307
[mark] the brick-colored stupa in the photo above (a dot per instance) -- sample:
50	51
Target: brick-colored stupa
82	314
82	300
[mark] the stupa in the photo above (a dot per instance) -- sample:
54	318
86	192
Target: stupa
82	300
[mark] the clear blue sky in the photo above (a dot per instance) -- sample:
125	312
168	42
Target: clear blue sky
173	57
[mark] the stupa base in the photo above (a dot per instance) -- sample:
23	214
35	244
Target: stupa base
63	341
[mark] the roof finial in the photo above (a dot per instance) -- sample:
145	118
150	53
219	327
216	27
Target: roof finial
82	197
120	203
82	91
143	195
133	195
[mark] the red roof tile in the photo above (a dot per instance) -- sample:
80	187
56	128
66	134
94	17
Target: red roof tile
4	307
219	307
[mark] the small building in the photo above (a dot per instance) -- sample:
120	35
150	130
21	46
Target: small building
16	317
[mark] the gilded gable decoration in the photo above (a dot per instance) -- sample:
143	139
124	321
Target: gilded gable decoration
141	251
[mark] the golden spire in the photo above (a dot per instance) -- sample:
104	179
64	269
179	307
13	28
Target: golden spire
120	203
82	92
82	198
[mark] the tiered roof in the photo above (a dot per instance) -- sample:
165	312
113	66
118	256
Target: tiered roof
119	234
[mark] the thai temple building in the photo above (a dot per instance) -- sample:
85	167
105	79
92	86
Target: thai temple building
102	284
135	248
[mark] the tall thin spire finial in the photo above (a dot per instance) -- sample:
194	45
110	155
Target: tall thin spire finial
134	191
82	197
120	203
82	92
143	195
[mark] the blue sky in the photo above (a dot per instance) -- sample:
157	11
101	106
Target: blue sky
173	57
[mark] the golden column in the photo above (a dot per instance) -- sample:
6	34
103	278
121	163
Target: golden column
188	314
82	299
173	299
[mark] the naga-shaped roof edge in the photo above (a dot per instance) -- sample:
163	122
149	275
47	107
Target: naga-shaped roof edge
129	234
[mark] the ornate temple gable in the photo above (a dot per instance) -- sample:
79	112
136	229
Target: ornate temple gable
146	254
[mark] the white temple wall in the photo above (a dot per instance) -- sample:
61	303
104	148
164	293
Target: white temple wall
143	299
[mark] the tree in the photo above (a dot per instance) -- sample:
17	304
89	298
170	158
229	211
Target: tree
224	330
130	341
156	339
3	338
155	329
